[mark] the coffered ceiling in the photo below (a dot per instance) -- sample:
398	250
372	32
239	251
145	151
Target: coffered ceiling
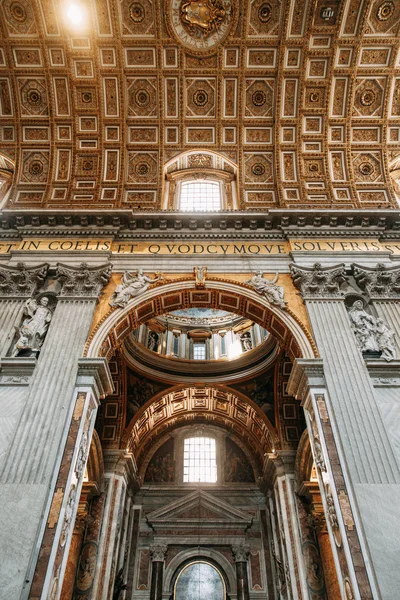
301	96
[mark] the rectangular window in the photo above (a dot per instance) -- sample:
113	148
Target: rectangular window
223	346
199	460
199	352
200	196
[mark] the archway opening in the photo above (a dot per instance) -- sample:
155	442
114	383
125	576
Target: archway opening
199	580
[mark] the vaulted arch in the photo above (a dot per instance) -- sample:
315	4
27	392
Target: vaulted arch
284	325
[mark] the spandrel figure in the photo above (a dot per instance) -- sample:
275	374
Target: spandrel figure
131	285
266	287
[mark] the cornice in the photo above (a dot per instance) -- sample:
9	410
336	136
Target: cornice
279	224
306	373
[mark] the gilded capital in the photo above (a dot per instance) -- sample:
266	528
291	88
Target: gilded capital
82	281
319	282
380	282
21	281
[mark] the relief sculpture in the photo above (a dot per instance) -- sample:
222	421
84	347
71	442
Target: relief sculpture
131	285
268	288
205	17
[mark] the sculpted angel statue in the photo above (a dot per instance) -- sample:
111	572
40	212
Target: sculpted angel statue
34	328
131	285
268	288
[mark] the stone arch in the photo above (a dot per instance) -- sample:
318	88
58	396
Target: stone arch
95	464
284	325
304	465
192	555
7	172
214	405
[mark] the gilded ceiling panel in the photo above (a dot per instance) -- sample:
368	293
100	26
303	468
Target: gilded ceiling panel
302	98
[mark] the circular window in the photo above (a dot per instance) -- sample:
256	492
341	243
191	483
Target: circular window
199	581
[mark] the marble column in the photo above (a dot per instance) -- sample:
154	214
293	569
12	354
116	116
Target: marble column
111	568
287	552
74	554
34	502
314	570
241	556
363	463
157	571
328	562
87	563
318	521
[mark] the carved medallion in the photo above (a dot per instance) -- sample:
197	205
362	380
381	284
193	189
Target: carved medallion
201	24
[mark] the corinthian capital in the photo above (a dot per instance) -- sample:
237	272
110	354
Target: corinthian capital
158	553
82	281
21	280
379	282
240	553
319	282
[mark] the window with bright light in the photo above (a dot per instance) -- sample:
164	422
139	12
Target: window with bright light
199	460
199	351
200	196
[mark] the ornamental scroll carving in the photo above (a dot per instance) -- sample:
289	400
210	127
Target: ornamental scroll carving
82	281
21	280
380	282
268	288
319	282
132	285
372	334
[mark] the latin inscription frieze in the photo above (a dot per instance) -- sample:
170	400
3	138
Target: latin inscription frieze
162	248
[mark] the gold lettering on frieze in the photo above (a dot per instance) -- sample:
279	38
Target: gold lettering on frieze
255	248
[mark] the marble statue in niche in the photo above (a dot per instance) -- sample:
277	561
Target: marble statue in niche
32	332
131	285
245	340
153	341
372	333
268	288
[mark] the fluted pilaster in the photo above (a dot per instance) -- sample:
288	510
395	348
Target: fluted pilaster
368	453
30	467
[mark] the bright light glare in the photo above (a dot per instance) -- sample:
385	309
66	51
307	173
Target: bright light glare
75	14
235	349
199	460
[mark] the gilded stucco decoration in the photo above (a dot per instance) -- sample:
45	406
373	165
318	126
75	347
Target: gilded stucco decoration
201	25
301	99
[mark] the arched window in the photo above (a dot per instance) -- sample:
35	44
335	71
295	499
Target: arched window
200	195
200	182
199	580
199	460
